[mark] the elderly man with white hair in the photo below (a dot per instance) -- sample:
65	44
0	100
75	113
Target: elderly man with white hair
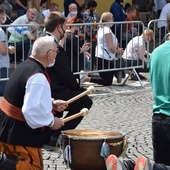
26	109
72	11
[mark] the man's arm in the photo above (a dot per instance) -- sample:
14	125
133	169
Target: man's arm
21	5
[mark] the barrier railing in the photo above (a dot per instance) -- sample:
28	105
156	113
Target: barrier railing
90	64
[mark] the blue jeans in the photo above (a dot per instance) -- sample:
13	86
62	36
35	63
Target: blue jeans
3	74
161	138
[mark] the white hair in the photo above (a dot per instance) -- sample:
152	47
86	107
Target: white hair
42	45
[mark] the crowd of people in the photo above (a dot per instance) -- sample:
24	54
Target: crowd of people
46	68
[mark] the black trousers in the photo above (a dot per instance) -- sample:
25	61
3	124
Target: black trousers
75	107
106	78
161	138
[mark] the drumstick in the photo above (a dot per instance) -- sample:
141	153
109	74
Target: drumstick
83	112
89	90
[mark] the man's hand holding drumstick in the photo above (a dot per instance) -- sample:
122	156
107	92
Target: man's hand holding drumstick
61	105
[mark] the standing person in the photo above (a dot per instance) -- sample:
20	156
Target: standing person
161	106
24	120
162	25
119	15
4	51
63	82
89	16
21	7
160	5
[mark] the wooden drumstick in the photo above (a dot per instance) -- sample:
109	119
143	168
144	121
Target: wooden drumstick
83	112
90	90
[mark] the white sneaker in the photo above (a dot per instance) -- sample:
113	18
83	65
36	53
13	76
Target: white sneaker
83	76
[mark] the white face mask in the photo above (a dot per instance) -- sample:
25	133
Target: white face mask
73	13
51	64
3	20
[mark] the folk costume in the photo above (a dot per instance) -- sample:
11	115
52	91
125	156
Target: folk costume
23	117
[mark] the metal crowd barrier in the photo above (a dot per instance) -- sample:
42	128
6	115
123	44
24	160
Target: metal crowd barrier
90	64
124	38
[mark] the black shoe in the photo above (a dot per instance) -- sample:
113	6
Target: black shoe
142	77
7	162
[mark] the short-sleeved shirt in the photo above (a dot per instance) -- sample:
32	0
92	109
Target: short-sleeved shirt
132	49
159	70
18	34
102	48
4	59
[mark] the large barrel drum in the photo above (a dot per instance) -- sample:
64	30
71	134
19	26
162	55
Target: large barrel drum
85	147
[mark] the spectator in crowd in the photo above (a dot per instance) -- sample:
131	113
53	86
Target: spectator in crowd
129	29
22	38
162	25
76	49
21	7
142	163
24	19
160	5
21	134
52	7
150	15
72	11
43	5
127	5
135	51
159	74
66	7
38	16
4	51
119	15
63	82
7	6
89	16
106	51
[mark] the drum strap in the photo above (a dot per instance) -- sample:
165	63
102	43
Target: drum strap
67	154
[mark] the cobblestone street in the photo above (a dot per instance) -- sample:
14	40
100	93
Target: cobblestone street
126	109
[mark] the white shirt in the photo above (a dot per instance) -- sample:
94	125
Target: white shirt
163	16
161	4
37	104
45	12
102	48
19	21
132	49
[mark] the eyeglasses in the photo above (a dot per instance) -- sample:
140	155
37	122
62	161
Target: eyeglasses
57	51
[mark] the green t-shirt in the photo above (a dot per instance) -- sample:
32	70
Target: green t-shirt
159	66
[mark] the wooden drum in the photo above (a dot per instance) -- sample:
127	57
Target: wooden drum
82	148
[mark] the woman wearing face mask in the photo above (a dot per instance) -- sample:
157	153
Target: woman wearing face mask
106	51
4	51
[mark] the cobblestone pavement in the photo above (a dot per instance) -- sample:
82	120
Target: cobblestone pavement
125	108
